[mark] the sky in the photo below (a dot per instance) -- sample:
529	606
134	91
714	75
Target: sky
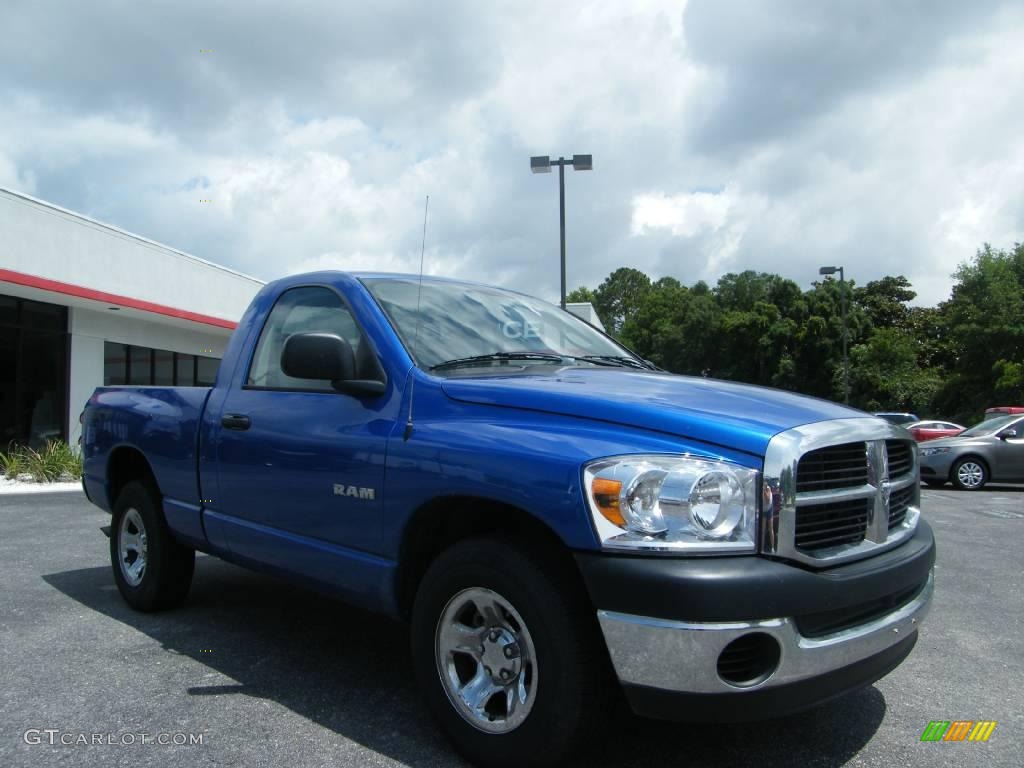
882	135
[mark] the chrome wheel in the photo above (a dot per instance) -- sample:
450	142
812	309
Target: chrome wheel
132	547
486	660
970	474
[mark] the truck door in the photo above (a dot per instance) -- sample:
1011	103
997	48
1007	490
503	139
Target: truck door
294	456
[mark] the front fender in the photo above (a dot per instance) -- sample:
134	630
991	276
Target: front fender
521	458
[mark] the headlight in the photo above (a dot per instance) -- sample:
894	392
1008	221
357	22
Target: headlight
672	503
933	451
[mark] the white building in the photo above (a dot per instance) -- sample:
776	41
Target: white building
83	304
585	310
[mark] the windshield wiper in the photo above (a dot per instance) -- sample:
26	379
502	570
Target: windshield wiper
497	356
623	360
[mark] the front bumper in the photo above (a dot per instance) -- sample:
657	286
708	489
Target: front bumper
937	465
826	632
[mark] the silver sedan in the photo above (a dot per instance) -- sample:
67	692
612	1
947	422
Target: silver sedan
990	451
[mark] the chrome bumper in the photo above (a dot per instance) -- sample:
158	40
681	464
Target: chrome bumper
683	657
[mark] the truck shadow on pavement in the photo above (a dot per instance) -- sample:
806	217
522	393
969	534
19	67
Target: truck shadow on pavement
351	672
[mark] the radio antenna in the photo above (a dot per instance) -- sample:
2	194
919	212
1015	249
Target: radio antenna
416	335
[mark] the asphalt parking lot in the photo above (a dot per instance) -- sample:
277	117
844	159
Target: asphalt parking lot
271	675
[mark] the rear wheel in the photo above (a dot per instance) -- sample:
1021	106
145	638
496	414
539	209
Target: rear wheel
151	568
507	655
969	474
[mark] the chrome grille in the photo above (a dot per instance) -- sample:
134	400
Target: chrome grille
901	457
828	525
837	466
840	491
899	502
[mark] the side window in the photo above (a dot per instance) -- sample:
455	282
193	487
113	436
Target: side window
299	310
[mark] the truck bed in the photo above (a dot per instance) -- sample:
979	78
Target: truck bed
162	422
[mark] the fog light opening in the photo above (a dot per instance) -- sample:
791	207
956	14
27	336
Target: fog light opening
749	660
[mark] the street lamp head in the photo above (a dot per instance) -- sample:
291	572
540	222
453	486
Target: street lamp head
540	164
828	270
583	162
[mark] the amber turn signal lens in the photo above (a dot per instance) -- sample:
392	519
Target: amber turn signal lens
606	497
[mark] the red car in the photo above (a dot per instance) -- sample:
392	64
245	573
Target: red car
930	430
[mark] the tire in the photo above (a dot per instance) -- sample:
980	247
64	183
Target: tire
165	575
969	474
536	614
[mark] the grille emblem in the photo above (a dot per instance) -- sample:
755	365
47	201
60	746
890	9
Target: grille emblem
878	476
885	487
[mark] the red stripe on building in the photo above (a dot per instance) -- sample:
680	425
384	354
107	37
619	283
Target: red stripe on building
31	281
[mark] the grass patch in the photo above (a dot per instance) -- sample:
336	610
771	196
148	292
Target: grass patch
56	462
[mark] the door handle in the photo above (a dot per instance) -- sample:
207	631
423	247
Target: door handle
235	421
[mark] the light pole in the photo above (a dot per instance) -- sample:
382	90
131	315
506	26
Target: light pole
542	164
842	303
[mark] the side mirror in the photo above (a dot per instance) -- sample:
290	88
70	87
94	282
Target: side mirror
326	357
1008	434
321	356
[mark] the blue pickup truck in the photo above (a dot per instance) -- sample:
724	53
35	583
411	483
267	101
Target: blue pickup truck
558	521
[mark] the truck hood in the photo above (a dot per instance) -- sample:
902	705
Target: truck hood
738	416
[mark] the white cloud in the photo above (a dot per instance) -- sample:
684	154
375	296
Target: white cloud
683	215
828	143
12	178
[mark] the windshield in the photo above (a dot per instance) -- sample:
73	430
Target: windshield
459	321
990	426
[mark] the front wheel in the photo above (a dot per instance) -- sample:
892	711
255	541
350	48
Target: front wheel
508	656
152	569
969	474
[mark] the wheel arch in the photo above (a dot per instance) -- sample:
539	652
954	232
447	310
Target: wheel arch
444	521
127	464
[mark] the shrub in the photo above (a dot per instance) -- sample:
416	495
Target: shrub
12	464
57	461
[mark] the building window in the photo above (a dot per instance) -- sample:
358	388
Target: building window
33	372
43	317
8	310
184	370
163	368
142	366
140	370
206	371
115	364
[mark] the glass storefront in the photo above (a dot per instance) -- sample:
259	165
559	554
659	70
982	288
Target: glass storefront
123	363
33	372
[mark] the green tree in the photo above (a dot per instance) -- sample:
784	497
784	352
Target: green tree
885	374
951	361
676	327
885	301
985	322
619	296
579	296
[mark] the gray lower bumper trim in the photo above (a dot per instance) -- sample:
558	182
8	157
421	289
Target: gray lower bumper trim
681	656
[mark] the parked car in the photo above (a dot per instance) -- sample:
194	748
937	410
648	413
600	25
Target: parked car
932	430
899	419
1003	410
990	451
549	513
